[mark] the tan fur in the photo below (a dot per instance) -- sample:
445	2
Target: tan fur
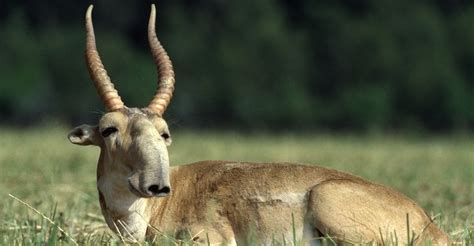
240	200
238	203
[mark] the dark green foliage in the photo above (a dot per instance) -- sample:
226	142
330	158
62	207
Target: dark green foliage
356	65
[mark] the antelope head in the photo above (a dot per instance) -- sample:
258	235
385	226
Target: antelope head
133	141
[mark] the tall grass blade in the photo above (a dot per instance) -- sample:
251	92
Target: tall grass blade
44	217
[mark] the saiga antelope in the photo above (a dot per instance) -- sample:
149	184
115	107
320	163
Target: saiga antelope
229	201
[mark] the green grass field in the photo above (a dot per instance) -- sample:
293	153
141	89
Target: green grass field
43	169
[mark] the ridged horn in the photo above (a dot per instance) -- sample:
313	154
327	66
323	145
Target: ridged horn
102	82
166	78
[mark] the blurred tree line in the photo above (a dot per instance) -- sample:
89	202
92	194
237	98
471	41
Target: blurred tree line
282	64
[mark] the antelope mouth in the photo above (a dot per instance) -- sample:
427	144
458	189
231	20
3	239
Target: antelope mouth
136	191
153	190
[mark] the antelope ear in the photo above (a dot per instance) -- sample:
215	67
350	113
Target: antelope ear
85	135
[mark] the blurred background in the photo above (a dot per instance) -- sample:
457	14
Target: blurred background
352	65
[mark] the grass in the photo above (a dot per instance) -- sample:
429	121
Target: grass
40	167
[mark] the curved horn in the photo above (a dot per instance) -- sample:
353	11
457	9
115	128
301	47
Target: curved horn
165	69
102	82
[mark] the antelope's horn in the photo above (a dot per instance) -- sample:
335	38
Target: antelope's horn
102	82
165	69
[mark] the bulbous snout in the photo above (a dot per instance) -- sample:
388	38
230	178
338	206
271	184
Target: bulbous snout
150	162
149	184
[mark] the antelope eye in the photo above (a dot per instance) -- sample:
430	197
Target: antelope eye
109	130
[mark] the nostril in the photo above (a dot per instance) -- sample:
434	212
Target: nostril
156	191
165	190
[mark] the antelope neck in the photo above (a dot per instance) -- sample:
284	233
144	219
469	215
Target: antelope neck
123	211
